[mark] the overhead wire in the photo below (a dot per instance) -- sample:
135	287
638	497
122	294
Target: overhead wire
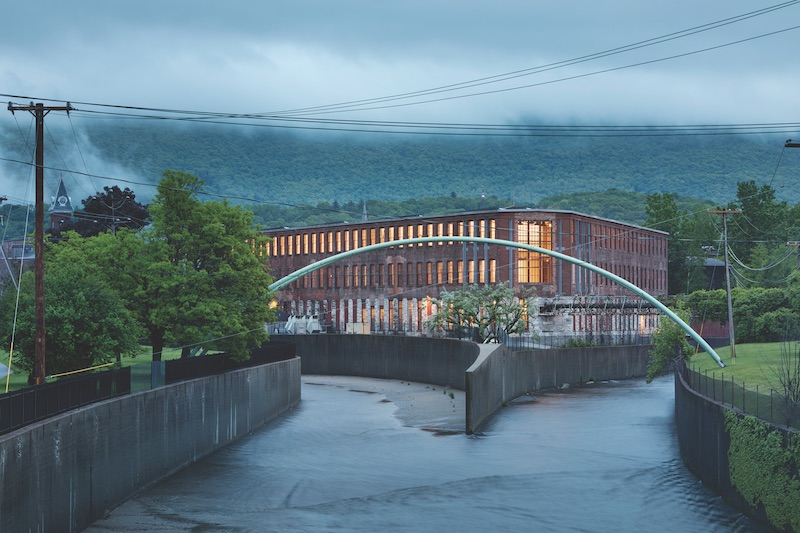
551	66
488	79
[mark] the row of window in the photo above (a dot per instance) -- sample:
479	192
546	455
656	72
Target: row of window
635	242
648	279
537	233
400	274
336	241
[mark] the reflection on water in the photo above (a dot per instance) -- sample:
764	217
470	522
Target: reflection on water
599	458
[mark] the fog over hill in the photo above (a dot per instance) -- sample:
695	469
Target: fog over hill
268	166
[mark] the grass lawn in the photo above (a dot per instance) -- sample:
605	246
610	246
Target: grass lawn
755	364
140	373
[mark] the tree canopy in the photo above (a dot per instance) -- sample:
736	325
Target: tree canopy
109	210
491	311
87	323
194	277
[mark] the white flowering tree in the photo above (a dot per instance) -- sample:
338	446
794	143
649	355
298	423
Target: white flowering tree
490	311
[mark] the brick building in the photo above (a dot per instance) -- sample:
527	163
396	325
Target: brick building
390	289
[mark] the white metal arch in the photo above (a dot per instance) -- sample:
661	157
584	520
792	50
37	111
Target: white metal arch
606	274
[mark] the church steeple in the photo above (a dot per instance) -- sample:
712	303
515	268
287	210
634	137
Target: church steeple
61	208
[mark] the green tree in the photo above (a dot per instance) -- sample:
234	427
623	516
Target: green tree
763	220
663	214
194	276
494	311
669	344
205	279
87	323
109	210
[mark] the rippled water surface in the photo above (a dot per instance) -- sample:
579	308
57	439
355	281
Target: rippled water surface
598	458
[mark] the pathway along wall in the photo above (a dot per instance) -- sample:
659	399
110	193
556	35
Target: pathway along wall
65	472
490	374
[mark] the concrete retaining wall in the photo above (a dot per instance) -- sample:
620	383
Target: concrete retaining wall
490	374
424	360
704	443
63	473
499	375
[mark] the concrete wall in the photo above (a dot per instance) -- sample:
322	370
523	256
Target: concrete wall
704	443
499	375
424	360
490	374
63	473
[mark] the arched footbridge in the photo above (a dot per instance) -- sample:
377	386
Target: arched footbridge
499	242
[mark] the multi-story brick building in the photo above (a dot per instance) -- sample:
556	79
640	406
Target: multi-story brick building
391	289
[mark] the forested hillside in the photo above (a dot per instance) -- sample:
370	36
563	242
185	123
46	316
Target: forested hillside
302	168
263	165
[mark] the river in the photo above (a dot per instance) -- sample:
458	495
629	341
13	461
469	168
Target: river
365	455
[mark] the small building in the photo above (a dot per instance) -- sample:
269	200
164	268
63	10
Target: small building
392	289
61	209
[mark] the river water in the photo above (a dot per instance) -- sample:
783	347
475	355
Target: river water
603	457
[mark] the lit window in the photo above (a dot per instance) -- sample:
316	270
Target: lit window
533	267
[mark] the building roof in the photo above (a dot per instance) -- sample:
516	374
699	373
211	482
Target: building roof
379	220
62	203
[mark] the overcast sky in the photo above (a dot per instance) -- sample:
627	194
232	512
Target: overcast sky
267	56
260	56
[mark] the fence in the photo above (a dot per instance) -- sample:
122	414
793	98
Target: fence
31	404
762	402
207	365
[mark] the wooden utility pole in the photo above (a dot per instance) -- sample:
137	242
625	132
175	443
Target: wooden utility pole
39	111
725	213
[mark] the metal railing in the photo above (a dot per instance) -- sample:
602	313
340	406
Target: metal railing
762	402
31	404
208	365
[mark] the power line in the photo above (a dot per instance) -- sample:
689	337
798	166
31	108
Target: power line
359	104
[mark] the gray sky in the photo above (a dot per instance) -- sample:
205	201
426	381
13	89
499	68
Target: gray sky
259	56
265	56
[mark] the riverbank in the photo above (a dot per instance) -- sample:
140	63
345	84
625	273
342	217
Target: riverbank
429	407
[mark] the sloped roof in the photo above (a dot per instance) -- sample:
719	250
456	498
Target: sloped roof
62	203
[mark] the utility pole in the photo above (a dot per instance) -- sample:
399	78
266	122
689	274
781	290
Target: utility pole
725	213
39	111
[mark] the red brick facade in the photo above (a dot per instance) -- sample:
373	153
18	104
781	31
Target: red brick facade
369	283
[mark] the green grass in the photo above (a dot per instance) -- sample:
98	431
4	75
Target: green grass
748	382
754	364
140	373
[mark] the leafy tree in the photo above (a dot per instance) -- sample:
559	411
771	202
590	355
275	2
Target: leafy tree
204	279
193	277
669	344
663	214
494	311
763	219
87	323
107	211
